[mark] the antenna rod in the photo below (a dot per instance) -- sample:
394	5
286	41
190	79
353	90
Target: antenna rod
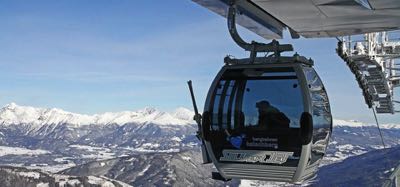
196	111
197	116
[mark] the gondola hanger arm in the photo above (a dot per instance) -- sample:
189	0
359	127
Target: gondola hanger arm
253	47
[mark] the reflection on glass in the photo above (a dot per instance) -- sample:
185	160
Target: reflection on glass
269	117
262	102
279	96
322	119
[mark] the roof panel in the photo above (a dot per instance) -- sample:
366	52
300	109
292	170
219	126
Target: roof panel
313	18
334	17
249	16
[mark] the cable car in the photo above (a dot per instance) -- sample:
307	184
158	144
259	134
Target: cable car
265	118
269	120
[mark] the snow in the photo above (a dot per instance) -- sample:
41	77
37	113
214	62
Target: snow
186	158
92	152
30	174
65	163
151	145
13	114
94	180
89	148
74	182
177	139
345	147
100	181
131	159
109	182
42	185
141	173
354	123
144	150
183	113
343	151
63	159
357	150
5	150
53	168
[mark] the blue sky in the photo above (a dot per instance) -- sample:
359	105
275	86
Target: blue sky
97	56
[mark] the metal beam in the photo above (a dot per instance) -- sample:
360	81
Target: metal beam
249	16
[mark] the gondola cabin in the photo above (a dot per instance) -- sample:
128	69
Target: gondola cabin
266	120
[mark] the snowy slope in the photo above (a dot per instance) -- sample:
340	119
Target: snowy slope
369	169
17	176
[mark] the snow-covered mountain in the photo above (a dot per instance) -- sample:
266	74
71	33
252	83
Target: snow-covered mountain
149	146
37	117
13	114
55	129
353	123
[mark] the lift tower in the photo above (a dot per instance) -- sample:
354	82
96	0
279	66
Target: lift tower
373	62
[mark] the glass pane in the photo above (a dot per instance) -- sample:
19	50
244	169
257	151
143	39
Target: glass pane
267	103
267	98
322	118
217	98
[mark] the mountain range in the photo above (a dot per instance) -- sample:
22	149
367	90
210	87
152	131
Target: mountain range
150	147
36	117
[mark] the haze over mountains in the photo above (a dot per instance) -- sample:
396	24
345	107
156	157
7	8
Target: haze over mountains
151	147
14	114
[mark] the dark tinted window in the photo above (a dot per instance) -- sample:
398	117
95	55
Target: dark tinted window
274	93
282	97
